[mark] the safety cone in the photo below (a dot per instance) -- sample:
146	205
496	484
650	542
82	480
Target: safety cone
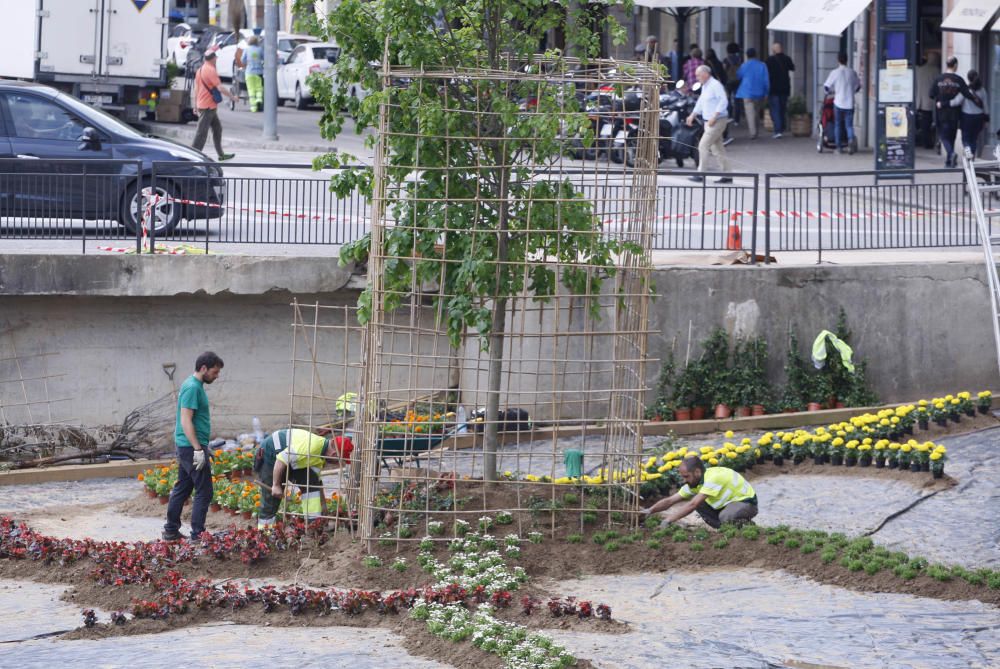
734	242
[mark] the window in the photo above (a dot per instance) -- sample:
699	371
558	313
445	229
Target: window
330	53
35	118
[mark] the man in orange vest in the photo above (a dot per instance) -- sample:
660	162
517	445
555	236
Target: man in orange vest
208	92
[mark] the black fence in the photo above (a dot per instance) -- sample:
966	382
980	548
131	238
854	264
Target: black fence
121	205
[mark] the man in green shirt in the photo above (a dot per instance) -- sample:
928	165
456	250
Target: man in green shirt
192	433
718	494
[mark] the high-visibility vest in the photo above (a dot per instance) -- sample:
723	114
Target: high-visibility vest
305	449
721	486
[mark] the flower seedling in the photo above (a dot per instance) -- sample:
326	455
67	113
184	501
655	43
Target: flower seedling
504	518
535	537
588	517
697	547
435	528
399	564
654	544
721	543
371	561
574	538
612	546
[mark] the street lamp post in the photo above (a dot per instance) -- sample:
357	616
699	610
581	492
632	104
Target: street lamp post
270	131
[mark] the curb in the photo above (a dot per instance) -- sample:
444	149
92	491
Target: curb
186	135
79	472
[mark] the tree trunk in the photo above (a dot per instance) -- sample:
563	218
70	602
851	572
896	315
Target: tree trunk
491	439
236	14
203	12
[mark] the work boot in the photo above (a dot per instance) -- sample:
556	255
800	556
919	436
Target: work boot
173	535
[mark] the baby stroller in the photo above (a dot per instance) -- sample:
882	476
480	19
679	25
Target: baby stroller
827	135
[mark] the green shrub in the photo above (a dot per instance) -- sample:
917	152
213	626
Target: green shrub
588	517
792	543
939	572
729	531
856	565
599	538
828	555
654	544
651	523
776	539
399	565
660	533
574	539
571	499
993	580
873	566
612	534
808	548
721	543
680	536
751	532
697	546
617	517
372	561
701	534
612	546
535	537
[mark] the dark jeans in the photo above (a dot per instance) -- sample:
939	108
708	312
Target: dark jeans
972	125
308	480
188	479
779	107
208	119
947	129
845	117
925	135
734	512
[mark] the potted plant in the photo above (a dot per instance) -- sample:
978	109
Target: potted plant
793	397
892	458
851	453
800	120
685	392
880	454
819	389
778	454
937	459
984	400
865	455
660	409
965	403
716	374
923	416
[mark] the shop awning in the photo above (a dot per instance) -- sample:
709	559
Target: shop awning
830	17
971	15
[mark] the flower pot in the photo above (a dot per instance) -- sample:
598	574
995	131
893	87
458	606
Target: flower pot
761	459
215	507
971	413
983	409
698	413
840	405
779	460
682	414
722	411
817	459
937	473
789	411
956	417
657	419
891	463
247	515
231	512
151	493
865	461
925	466
923	424
941	422
836	459
914	467
879	463
164	499
758	410
850	461
742	412
800	125
908	430
814	406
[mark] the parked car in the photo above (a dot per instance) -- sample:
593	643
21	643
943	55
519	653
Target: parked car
226	57
61	158
305	60
182	37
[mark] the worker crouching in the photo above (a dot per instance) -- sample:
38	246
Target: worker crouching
298	455
718	494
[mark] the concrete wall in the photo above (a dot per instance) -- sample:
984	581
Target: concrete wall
111	322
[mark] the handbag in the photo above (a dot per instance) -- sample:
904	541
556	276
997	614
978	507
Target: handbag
216	95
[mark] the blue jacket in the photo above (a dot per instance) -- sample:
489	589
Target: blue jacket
754	82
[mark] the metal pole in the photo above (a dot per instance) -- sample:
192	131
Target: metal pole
270	131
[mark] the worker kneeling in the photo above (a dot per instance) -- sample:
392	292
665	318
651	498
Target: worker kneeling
301	455
719	495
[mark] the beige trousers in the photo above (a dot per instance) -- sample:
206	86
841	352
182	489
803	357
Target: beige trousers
711	142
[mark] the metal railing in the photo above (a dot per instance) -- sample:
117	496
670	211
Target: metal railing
202	206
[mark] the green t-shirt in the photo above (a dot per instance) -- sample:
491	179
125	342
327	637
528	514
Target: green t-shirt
192	396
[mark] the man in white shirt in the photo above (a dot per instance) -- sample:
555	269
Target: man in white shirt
713	108
843	82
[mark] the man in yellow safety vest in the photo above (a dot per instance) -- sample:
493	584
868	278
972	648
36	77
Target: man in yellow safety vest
718	494
300	455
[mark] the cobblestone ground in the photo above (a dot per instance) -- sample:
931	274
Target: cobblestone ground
763	619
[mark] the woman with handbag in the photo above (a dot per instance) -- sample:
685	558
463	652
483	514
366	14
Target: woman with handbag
975	111
208	94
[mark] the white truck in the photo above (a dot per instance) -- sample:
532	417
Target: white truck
109	53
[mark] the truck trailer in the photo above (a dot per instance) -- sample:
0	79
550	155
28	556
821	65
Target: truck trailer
108	53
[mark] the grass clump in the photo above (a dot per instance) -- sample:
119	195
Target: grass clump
574	539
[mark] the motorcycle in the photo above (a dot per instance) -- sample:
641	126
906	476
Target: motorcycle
675	107
598	106
625	124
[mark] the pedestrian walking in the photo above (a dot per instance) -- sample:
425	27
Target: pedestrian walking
691	66
843	82
718	69
734	59
713	108
946	86
926	72
974	106
208	94
673	61
253	61
753	88
779	69
192	432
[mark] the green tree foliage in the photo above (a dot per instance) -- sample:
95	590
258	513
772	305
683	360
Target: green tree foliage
474	220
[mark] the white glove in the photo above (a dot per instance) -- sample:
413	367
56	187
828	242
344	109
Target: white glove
199	460
644	512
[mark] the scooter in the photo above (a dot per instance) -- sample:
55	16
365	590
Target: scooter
598	106
625	124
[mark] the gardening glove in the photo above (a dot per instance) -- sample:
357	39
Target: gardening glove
666	525
199	460
644	512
